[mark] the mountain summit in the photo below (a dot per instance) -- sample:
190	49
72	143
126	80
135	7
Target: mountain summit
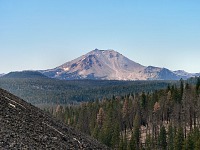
98	64
109	65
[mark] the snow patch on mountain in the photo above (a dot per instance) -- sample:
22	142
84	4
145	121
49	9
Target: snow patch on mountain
111	65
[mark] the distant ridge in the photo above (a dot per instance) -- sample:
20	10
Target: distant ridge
104	65
111	65
2	75
25	74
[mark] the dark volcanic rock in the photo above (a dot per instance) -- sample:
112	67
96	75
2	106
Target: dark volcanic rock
23	126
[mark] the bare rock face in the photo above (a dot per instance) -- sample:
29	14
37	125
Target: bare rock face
98	64
110	65
23	126
104	65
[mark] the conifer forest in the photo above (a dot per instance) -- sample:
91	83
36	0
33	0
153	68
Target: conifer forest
167	119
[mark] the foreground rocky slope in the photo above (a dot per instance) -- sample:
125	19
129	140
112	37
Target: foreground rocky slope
23	126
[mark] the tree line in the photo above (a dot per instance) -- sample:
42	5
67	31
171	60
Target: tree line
52	91
163	119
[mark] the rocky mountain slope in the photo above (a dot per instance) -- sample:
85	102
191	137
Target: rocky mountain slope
185	74
23	126
98	64
111	65
2	75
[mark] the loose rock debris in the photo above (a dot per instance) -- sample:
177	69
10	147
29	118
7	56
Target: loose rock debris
23	126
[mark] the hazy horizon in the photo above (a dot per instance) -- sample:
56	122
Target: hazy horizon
38	35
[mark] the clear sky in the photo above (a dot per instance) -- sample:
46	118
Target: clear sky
43	34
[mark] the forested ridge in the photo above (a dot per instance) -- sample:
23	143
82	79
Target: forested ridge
163	119
41	90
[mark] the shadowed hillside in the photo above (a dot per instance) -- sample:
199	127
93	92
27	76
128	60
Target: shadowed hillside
23	126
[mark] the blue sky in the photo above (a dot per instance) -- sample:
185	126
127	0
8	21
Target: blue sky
41	34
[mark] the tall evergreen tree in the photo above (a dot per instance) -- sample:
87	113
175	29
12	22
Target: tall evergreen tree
100	117
189	143
197	144
171	136
162	139
148	143
179	139
198	85
143	100
115	136
181	88
136	131
132	143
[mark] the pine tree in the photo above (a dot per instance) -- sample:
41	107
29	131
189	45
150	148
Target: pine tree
198	85
162	139
95	132
136	131
115	136
156	107
121	145
181	88
196	134
59	112
110	129
170	139
197	144
179	139
189	143
148	143
125	109
125	114
132	143
100	117
143	100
